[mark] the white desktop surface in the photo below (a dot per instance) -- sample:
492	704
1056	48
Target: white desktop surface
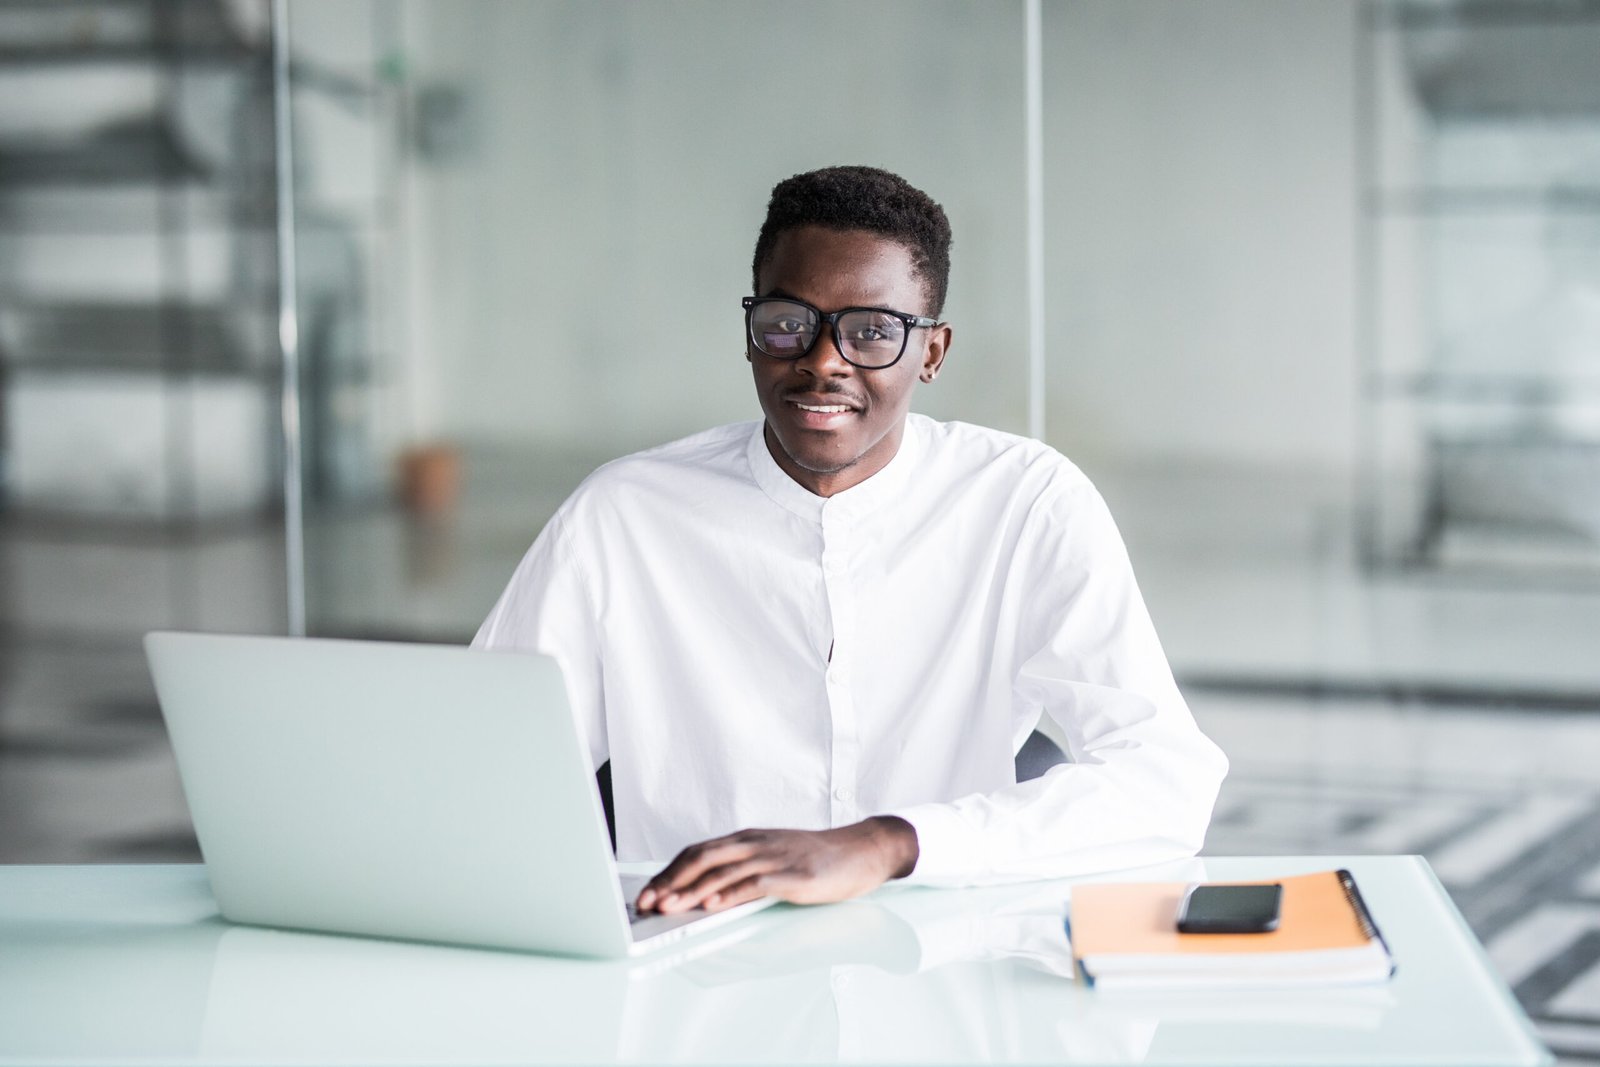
120	964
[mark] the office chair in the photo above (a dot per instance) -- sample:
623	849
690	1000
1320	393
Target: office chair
1037	755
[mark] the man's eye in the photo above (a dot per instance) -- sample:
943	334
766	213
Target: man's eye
790	326
874	330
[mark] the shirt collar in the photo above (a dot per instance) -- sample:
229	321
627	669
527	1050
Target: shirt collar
858	500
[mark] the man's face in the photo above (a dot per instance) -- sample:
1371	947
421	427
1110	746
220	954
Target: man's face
828	452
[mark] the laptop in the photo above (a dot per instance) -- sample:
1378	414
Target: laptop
425	792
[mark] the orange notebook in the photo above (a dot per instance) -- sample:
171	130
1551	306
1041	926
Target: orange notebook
1126	935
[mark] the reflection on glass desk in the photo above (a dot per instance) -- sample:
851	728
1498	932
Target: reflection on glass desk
121	964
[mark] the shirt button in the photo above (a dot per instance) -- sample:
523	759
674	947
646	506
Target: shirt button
836	676
833	565
843	795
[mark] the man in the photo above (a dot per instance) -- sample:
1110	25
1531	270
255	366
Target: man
842	621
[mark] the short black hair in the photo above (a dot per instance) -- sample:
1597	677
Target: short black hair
863	198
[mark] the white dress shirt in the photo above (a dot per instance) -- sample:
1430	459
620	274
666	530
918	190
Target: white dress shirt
749	654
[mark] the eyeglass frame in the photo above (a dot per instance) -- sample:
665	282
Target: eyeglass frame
910	321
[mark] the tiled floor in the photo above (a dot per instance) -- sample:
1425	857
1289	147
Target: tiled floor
1413	713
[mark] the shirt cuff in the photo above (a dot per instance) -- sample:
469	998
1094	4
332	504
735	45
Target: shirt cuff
950	850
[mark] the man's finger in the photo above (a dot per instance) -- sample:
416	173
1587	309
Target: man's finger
690	864
694	860
746	889
716	880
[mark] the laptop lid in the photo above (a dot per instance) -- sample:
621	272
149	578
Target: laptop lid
401	790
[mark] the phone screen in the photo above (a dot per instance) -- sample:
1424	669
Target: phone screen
1230	909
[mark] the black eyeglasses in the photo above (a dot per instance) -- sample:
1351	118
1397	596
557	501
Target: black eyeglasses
870	338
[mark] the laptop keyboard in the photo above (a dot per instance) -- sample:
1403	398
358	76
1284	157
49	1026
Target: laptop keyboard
632	886
652	923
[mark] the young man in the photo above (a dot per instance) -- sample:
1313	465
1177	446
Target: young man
842	621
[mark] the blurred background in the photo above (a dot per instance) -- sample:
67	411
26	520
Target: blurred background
1318	293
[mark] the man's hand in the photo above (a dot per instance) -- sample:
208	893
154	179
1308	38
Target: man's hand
801	866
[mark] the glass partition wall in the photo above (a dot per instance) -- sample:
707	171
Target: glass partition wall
139	438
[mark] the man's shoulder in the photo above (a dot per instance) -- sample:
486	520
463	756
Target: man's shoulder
997	474
711	458
717	449
1004	459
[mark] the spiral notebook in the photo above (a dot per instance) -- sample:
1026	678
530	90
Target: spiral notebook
1125	936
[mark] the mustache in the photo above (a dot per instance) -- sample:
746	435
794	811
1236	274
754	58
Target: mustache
821	391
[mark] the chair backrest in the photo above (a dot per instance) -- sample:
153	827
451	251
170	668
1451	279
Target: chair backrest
1037	755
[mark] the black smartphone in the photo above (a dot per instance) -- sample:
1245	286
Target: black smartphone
1230	909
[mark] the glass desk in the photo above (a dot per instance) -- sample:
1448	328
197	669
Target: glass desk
113	964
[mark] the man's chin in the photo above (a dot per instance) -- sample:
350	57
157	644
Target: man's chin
826	463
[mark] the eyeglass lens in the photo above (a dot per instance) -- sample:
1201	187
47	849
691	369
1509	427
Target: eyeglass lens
787	330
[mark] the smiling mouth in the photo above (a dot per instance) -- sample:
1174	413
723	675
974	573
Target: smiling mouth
820	417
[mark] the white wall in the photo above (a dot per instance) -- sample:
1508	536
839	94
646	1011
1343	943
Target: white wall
1200	230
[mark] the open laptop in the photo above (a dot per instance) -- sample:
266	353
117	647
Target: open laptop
428	792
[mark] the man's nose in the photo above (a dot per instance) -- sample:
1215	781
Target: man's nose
825	360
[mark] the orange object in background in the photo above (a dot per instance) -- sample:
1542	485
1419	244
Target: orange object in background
430	479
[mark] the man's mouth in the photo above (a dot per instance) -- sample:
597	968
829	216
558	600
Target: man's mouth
819	412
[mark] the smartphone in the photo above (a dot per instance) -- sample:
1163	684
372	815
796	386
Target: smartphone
1230	909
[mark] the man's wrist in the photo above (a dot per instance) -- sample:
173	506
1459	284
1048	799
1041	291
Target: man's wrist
897	839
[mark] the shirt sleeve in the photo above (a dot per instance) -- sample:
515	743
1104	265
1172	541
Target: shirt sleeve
1143	778
547	607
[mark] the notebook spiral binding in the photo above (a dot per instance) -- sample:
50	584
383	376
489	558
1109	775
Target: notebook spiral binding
1347	882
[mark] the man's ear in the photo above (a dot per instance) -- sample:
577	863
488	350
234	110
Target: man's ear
935	350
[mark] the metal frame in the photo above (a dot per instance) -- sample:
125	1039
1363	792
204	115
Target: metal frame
288	324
